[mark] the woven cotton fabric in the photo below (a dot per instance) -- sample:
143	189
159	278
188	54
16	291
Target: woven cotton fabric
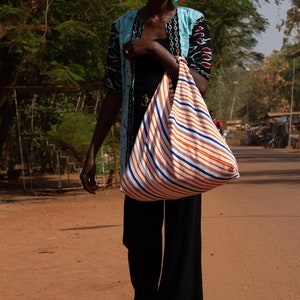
178	150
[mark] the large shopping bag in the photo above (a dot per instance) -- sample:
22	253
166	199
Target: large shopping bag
178	150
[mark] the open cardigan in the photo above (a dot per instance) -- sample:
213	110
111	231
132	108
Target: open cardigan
187	19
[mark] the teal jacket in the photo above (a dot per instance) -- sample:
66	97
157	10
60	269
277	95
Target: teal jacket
186	18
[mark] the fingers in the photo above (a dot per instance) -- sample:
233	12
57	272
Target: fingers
89	184
132	48
128	53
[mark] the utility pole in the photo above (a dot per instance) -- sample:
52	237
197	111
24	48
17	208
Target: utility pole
234	98
292	102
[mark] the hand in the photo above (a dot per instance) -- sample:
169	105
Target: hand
137	47
87	177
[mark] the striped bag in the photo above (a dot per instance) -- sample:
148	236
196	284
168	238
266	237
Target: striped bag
178	150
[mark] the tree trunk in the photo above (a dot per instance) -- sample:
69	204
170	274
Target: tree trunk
6	117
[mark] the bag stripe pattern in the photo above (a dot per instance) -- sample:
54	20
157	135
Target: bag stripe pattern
178	150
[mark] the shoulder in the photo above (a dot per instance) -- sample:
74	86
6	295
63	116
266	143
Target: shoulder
127	17
189	13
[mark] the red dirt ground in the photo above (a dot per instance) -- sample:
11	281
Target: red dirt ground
62	246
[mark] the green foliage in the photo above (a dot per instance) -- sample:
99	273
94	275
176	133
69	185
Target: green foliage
45	40
6	12
75	129
63	38
71	75
65	42
233	25
249	93
292	21
74	31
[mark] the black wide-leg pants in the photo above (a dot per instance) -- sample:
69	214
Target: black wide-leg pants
172	274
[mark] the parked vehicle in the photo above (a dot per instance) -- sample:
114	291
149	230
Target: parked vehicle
274	141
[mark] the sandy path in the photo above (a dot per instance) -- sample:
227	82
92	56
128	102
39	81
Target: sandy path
69	246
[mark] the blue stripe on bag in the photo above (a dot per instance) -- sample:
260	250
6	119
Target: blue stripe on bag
165	162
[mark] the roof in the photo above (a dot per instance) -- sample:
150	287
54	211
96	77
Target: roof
233	122
281	114
42	89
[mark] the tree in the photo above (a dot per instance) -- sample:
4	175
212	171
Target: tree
291	52
270	85
233	26
47	42
249	93
292	20
53	43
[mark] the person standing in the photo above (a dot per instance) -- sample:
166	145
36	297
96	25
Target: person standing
143	46
217	122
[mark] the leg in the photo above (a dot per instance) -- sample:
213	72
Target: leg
143	238
182	274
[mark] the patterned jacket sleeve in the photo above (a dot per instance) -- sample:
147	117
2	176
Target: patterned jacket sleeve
200	54
113	79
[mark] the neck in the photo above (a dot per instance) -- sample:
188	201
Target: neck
158	6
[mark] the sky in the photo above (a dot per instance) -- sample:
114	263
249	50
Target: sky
272	39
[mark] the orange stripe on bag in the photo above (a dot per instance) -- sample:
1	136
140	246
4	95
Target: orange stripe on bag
178	150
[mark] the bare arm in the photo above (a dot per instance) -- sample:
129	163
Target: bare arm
168	61
107	115
201	81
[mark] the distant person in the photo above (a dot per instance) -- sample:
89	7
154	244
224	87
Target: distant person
218	123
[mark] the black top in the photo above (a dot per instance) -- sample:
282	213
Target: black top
148	75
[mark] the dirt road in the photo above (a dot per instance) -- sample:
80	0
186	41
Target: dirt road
69	246
64	247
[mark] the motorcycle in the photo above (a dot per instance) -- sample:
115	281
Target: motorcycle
274	141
